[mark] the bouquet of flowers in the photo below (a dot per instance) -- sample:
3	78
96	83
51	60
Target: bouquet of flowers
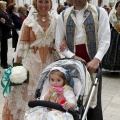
16	75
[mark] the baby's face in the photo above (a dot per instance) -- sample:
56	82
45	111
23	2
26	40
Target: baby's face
55	80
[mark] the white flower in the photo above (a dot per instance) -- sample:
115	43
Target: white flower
18	74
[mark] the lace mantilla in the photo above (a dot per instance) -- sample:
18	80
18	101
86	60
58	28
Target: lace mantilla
42	38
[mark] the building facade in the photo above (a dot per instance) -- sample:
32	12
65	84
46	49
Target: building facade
55	2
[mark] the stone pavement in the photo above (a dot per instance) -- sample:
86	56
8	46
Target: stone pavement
110	92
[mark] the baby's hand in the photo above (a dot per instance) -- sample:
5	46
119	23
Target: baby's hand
69	106
52	90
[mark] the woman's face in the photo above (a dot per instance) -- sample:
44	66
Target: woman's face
24	11
118	9
15	9
43	6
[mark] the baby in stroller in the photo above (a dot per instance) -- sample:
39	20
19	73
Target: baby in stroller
76	89
61	92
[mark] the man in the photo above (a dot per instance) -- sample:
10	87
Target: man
68	3
87	33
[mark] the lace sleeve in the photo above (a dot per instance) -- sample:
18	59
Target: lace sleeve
24	42
23	50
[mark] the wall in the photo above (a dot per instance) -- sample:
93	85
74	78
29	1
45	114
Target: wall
22	2
105	2
94	2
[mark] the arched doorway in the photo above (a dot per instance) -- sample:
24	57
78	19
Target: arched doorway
8	1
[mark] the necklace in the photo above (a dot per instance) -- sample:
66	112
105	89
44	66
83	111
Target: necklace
43	19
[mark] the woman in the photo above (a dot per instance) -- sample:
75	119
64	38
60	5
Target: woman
35	51
6	33
22	12
13	12
111	60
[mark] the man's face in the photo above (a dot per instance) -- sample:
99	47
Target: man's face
82	2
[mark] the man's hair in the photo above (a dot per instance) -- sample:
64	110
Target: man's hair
10	8
60	8
105	6
65	4
26	5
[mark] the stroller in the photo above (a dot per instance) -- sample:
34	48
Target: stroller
84	89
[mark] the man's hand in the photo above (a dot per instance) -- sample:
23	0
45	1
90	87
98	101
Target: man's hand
79	58
93	65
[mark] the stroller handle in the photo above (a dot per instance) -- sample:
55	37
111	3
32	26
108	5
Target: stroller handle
99	73
46	104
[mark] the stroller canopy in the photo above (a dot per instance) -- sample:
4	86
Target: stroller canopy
75	67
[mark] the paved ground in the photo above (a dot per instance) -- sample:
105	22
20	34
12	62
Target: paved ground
110	92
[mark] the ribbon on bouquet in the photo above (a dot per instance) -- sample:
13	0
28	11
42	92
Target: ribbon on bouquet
5	81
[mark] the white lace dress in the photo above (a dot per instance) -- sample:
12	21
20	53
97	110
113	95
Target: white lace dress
16	102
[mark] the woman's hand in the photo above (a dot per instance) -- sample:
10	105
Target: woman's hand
19	59
51	50
79	58
63	46
2	20
93	65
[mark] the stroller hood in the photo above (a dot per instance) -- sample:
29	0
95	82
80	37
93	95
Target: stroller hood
75	67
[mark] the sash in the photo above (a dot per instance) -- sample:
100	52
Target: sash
90	33
89	30
70	31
